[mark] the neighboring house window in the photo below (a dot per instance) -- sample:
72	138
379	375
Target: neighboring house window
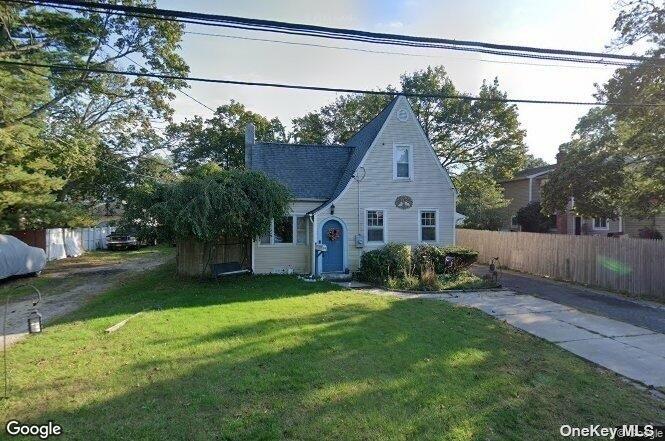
301	229
375	226
284	230
428	225
600	223
513	221
402	162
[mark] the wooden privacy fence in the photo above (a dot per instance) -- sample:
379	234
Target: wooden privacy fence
635	266
193	256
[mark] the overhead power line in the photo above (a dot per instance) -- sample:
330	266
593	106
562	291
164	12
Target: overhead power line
61	67
355	49
354	35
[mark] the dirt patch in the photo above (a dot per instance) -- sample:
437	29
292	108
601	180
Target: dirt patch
75	285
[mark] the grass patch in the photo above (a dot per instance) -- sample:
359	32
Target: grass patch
463	280
273	357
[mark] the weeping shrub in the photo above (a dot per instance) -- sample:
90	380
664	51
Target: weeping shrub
210	204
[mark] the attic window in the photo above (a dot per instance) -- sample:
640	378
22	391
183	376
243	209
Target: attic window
402	162
402	115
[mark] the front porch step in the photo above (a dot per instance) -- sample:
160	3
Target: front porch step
337	277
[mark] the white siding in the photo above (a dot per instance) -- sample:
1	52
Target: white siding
430	188
278	258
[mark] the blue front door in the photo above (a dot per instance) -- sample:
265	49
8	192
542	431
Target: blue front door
333	238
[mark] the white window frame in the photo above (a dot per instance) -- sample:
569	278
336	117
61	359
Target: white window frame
605	228
410	150
294	226
385	227
436	226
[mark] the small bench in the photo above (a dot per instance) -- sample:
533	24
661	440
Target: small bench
227	269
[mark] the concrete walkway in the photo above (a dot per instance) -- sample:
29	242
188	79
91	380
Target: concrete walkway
614	306
634	352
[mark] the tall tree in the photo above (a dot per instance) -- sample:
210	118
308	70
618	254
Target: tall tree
476	134
220	139
480	199
68	115
619	152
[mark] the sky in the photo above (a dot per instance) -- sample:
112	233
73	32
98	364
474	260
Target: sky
563	24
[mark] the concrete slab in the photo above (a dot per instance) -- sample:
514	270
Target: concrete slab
548	328
653	344
601	325
626	360
352	284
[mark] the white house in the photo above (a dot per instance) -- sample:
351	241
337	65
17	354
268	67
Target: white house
385	184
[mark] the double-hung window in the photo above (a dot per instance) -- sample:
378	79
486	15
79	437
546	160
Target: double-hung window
375	226
428	219
286	230
600	223
402	162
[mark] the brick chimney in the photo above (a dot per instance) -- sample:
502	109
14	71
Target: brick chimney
250	140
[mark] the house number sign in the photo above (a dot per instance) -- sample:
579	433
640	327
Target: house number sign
404	202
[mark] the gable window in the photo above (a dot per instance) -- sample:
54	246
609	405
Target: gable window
288	230
402	162
600	223
375	226
428	225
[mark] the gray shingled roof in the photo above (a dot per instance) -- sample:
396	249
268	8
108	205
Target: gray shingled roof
310	171
534	170
313	171
362	142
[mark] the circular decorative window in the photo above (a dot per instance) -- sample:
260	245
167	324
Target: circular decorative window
402	115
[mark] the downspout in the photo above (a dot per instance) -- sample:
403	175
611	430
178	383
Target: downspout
312	219
530	189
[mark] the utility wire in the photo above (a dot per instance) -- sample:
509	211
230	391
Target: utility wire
136	63
353	35
56	67
483	60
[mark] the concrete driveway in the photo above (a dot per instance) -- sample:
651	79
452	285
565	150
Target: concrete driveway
634	352
593	301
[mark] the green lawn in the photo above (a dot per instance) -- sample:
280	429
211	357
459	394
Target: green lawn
274	357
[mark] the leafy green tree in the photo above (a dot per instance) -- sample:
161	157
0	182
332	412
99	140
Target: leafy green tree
53	123
479	134
220	139
210	204
532	161
531	218
615	163
480	200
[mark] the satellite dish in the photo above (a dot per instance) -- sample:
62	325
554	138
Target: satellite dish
359	175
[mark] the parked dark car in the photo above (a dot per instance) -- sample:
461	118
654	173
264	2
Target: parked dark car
119	242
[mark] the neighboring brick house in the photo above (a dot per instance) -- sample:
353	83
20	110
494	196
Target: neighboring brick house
385	184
